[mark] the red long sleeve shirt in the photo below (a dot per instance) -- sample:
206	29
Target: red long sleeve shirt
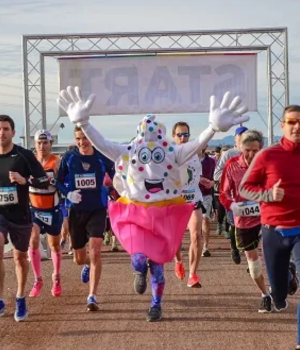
279	161
234	170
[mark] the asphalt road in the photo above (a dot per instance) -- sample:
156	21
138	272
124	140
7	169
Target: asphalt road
221	315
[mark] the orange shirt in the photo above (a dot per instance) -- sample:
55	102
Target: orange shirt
46	199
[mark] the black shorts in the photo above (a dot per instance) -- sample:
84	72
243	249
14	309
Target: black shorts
48	221
84	225
19	234
199	205
247	238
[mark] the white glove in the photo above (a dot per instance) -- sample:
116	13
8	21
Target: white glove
74	104
74	197
228	114
236	209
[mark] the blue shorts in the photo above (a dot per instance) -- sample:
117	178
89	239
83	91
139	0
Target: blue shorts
64	210
48	221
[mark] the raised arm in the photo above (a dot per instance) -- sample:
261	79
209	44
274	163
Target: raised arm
110	149
221	118
78	110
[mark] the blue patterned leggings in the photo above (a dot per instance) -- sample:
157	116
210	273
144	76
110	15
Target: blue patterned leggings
139	264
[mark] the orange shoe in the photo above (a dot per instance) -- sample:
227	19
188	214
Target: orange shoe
179	270
56	289
194	282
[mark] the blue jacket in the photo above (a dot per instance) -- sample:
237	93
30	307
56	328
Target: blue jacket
85	173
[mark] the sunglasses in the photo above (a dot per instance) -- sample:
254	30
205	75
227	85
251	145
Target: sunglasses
292	121
184	134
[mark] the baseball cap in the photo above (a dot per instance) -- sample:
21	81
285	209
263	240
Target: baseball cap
240	130
42	135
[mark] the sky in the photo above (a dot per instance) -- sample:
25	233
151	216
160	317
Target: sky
21	17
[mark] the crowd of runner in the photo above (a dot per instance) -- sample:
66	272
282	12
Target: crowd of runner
250	190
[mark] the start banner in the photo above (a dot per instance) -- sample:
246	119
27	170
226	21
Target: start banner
161	84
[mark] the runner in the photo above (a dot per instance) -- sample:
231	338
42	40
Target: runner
109	233
83	169
276	185
19	169
65	233
246	214
232	152
222	221
46	216
192	194
206	188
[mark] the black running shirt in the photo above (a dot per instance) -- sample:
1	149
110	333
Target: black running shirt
14	198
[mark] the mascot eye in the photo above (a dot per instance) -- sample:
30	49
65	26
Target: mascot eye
145	155
158	155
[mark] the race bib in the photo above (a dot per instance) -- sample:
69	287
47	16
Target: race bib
85	181
45	217
188	195
8	195
249	208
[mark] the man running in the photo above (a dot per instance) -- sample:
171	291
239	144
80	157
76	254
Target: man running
191	193
19	169
206	188
84	169
276	185
232	152
246	214
46	216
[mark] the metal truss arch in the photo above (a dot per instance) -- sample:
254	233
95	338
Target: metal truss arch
36	47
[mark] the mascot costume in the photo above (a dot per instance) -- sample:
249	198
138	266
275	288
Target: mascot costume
151	216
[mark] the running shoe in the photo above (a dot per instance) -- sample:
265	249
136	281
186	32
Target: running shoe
266	304
293	280
114	247
179	270
92	304
194	282
227	235
85	274
56	286
219	229
21	310
278	307
70	252
36	289
154	314
107	238
2	308
140	282
235	256
206	253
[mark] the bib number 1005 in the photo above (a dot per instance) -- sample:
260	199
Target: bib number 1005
85	181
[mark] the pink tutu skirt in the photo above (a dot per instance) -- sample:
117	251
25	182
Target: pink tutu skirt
155	232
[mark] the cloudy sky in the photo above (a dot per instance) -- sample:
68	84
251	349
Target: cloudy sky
21	17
